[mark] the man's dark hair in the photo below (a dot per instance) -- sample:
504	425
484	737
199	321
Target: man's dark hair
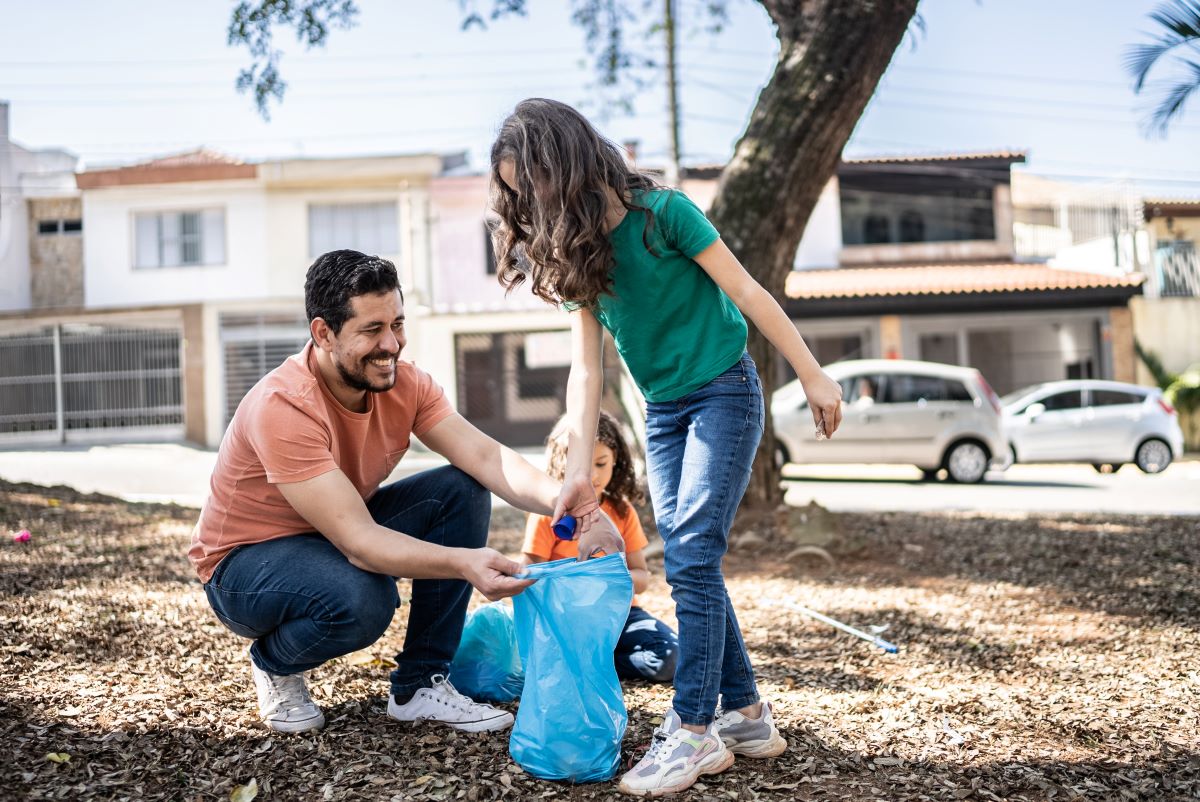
338	276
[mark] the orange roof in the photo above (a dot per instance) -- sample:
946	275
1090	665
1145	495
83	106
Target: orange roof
864	282
195	165
1007	155
1170	207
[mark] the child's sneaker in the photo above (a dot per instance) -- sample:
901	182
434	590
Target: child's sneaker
676	759
444	704
283	702
751	737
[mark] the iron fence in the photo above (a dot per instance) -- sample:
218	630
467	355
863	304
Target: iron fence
83	381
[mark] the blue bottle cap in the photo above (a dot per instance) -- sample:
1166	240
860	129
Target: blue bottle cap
565	528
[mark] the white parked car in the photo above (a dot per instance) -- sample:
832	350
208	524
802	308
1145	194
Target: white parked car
900	411
1104	423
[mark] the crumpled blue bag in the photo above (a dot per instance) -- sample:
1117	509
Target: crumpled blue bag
572	715
487	666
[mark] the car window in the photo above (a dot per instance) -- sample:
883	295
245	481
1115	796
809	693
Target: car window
1071	399
862	389
1112	398
957	391
905	388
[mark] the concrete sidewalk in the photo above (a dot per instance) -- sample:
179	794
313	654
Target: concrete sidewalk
159	472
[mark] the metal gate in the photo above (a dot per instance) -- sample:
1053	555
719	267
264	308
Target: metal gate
83	382
254	344
511	385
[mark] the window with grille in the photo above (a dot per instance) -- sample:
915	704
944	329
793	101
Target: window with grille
179	238
372	228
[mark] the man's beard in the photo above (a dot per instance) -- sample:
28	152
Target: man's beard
359	381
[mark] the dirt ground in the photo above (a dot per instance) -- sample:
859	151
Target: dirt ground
1041	657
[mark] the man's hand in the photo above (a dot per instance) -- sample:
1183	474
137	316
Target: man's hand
578	498
825	401
603	536
492	574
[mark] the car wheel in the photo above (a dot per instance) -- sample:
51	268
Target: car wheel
967	462
1153	456
781	455
1012	450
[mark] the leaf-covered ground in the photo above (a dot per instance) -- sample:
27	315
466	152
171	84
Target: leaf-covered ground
1040	658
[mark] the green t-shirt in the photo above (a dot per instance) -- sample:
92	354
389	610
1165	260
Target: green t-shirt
673	326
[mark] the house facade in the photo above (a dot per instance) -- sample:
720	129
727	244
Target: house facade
193	265
935	261
192	288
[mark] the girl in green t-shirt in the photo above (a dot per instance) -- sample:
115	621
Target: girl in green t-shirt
642	261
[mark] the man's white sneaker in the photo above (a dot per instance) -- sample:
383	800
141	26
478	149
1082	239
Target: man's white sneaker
751	737
443	704
676	759
283	702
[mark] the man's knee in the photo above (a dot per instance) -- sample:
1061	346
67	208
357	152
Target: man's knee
367	607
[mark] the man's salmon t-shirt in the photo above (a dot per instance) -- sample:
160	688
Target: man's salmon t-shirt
289	428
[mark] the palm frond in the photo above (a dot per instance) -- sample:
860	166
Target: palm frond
1180	21
1171	104
1180	17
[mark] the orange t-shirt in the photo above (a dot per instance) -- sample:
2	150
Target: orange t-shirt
541	542
289	428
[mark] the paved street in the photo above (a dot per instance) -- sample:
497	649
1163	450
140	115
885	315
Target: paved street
1045	488
179	473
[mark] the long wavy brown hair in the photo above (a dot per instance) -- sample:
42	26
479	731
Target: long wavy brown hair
623	489
553	229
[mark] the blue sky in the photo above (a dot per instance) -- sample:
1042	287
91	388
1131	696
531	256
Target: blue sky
114	84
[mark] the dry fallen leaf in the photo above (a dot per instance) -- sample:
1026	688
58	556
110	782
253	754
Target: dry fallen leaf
245	793
58	757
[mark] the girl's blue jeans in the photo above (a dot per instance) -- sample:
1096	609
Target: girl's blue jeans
699	449
303	603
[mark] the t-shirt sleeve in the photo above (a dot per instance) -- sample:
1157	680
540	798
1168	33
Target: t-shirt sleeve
684	226
539	538
291	444
432	405
631	530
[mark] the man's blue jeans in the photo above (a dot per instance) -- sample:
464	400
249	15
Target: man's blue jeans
699	449
303	603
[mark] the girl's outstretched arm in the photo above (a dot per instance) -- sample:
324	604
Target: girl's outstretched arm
823	393
584	385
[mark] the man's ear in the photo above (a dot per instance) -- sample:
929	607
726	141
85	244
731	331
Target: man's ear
322	334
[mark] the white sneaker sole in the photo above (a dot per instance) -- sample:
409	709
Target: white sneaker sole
500	722
293	727
722	763
774	746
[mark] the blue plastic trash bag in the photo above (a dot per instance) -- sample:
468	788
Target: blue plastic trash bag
572	715
487	666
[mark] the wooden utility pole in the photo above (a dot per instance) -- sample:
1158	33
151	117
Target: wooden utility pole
674	172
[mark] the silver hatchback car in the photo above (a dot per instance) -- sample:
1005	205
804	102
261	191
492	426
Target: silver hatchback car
900	411
1104	423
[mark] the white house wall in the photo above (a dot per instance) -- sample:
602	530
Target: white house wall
287	235
459	278
822	240
110	278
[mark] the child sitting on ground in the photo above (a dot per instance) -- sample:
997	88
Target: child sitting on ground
647	648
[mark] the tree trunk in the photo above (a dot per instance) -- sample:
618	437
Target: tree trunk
832	54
